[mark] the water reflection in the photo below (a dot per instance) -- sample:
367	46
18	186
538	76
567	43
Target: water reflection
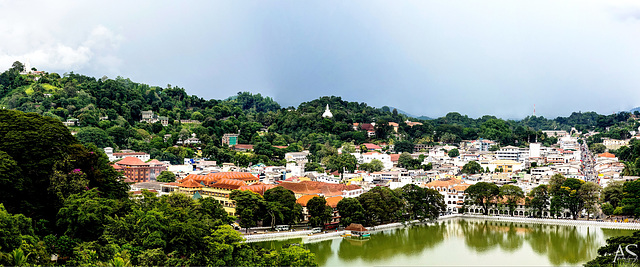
384	245
438	244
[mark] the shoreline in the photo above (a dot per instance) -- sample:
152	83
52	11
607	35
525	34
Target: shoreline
306	238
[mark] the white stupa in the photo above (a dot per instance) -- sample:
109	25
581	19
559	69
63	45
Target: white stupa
327	113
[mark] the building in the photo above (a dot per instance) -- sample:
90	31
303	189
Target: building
323	189
125	153
614	143
298	157
507	166
149	117
453	192
230	139
513	153
138	171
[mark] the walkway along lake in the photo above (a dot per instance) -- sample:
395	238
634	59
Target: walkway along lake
464	241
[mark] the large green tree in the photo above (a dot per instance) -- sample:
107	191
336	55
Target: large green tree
381	205
319	212
511	194
472	167
538	200
483	194
350	211
422	203
281	206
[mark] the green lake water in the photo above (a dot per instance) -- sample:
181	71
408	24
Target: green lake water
464	242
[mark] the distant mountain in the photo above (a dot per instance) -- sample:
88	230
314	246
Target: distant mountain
411	115
632	110
403	112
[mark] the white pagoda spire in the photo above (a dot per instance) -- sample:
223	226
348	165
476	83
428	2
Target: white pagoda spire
327	113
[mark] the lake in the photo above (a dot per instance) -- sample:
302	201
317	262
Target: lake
464	242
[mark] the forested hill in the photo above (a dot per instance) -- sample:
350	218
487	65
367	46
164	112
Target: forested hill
108	112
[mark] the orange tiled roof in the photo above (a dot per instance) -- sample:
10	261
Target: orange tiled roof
333	201
461	187
258	187
606	155
232	175
394	157
190	184
443	183
312	187
303	200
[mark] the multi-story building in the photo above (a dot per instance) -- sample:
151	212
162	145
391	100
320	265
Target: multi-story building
138	171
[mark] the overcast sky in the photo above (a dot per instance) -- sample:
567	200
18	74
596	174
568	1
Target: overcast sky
424	57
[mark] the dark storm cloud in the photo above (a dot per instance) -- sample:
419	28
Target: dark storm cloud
424	57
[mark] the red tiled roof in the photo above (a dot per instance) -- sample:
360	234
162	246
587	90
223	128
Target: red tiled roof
367	127
394	157
371	146
131	161
243	146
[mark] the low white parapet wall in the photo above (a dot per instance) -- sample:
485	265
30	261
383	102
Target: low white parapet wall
308	237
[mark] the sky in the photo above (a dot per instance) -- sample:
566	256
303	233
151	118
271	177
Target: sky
423	57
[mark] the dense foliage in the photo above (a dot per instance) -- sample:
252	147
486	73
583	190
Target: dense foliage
60	197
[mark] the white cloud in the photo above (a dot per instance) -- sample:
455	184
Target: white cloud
38	42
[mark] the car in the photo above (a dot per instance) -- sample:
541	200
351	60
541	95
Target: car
316	230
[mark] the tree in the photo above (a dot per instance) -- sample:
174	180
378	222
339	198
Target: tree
422	203
482	194
556	194
613	193
283	203
571	196
47	154
341	163
472	167
590	194
294	256
539	200
453	153
94	135
211	207
84	215
166	177
597	148
249	207
609	253
319	212
381	205
350	211
404	146
17	66
512	194
631	201
374	166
